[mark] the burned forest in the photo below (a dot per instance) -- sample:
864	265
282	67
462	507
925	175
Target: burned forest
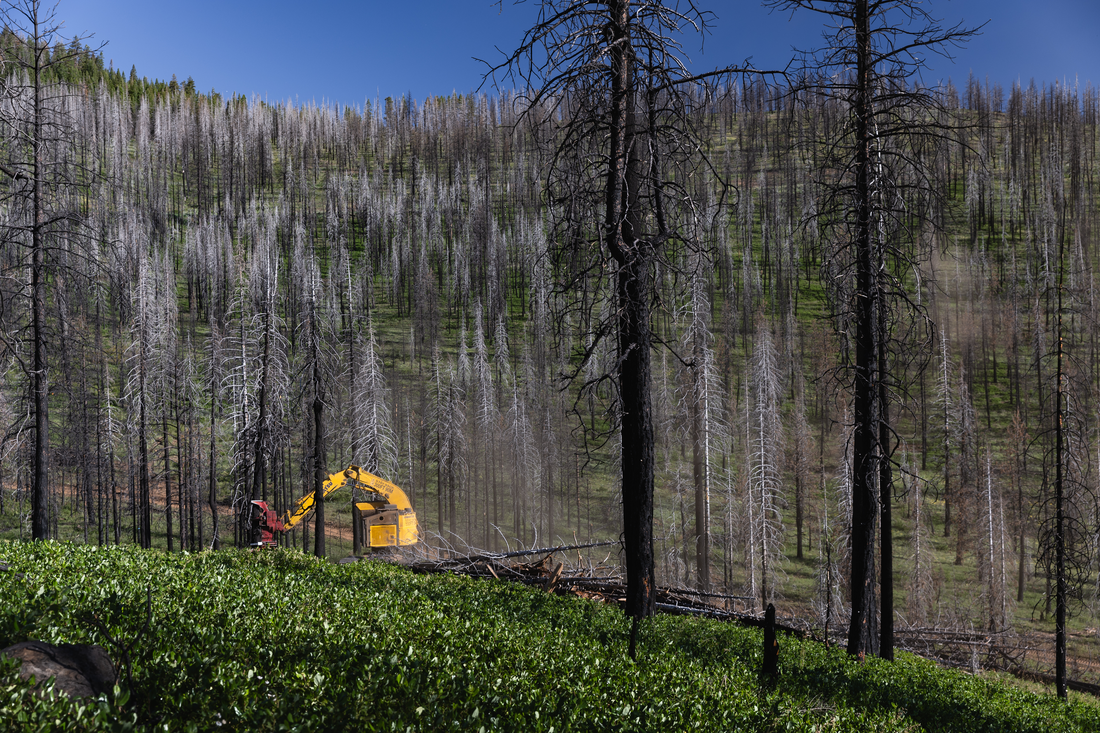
208	301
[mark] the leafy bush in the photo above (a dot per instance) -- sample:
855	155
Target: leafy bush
280	641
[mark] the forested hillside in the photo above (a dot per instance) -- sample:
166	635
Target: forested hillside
210	271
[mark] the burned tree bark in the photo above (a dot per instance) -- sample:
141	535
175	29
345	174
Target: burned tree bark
36	127
612	71
868	67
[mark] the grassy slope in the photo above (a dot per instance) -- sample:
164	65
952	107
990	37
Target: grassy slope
280	641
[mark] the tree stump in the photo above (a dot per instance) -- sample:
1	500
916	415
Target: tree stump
771	646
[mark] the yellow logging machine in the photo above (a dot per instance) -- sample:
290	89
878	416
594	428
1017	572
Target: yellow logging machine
386	519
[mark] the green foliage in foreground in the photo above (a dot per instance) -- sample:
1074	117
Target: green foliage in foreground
281	641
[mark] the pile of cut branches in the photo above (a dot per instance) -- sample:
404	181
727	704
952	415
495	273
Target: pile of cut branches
596	581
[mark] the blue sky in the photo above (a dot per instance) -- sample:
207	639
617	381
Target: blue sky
348	51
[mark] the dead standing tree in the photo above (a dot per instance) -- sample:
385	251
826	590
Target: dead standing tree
38	181
1065	549
319	361
871	62
608	79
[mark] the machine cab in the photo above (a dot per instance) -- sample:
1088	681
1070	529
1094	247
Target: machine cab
383	524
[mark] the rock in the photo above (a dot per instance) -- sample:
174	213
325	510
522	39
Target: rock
346	560
79	670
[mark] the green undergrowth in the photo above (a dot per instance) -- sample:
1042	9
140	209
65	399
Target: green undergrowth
280	641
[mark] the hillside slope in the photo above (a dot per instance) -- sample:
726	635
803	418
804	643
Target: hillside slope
281	641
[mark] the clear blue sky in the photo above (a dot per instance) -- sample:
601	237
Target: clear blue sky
349	51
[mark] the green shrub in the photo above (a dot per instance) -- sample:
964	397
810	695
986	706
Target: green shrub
280	641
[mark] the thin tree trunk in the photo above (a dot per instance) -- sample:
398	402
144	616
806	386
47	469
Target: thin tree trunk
40	528
318	467
143	448
886	500
1021	569
212	478
702	534
356	540
1059	508
167	477
187	528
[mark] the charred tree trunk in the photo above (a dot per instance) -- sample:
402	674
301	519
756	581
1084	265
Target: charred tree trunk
167	477
634	258
145	502
212	496
318	471
1059	503
40	526
861	639
638	463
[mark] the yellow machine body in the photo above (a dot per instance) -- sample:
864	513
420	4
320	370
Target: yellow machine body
388	521
384	525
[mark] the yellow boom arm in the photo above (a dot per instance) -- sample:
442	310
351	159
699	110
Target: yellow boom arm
404	529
